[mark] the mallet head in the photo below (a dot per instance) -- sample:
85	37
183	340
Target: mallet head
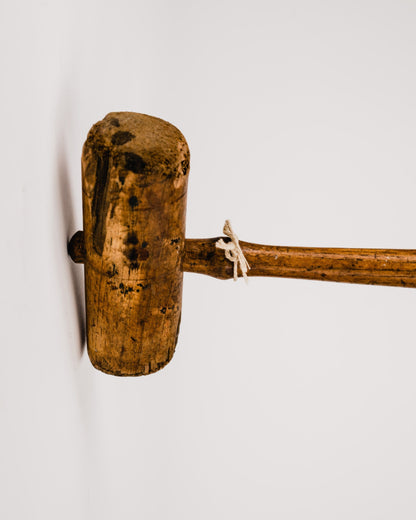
134	179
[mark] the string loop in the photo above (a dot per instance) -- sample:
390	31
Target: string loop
233	251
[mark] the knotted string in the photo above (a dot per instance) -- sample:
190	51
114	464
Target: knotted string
233	251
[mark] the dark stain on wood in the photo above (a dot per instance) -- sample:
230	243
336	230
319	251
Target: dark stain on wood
132	238
122	177
137	253
100	201
133	201
132	254
112	271
125	289
134	162
185	166
121	138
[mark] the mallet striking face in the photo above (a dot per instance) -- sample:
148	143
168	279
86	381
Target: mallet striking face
134	181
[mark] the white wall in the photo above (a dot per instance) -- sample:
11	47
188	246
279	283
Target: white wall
300	117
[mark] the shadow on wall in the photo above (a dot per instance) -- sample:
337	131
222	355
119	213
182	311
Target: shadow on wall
67	230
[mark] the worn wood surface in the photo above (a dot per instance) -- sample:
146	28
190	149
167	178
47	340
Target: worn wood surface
134	181
394	267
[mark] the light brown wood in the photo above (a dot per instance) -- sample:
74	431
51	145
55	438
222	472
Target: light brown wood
134	181
393	267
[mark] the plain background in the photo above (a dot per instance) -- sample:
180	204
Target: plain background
285	399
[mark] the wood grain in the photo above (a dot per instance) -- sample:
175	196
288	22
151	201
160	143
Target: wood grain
134	181
392	267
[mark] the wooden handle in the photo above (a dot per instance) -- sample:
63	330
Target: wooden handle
393	267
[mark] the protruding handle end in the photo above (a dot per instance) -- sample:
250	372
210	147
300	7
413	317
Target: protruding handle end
76	248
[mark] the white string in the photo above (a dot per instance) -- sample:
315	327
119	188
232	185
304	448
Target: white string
233	251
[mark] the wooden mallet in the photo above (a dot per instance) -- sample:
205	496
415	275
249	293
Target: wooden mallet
134	181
